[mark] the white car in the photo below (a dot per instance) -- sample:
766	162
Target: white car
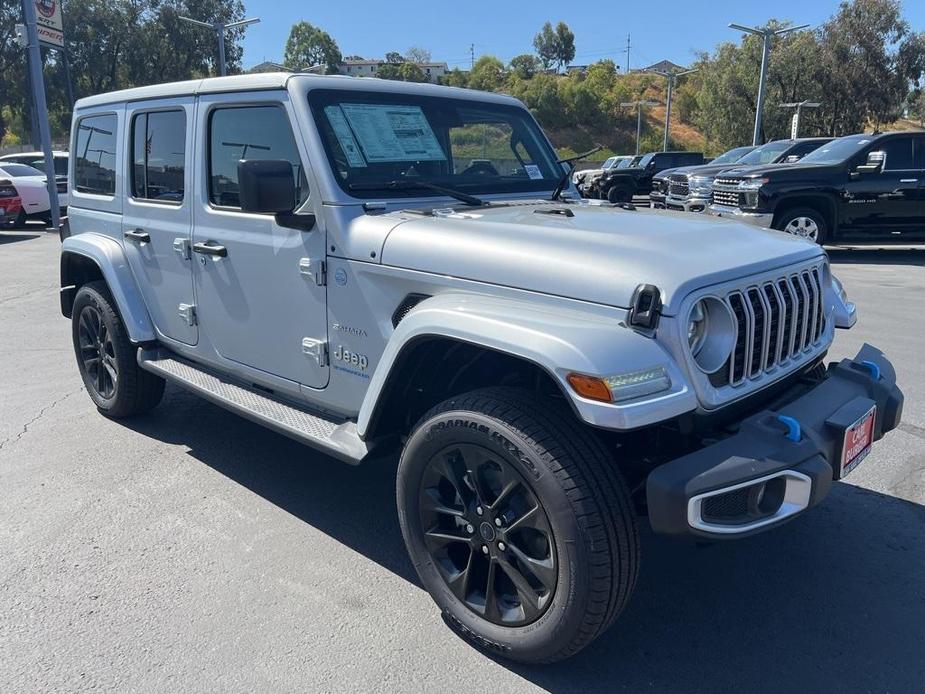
30	183
37	160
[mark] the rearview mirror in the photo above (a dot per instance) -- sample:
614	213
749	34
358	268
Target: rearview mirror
875	162
267	186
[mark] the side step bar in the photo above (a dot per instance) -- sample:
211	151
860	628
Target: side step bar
338	438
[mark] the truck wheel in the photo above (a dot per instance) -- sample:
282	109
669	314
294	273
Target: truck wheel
804	222
619	194
518	523
106	358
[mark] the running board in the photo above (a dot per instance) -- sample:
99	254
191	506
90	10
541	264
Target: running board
338	438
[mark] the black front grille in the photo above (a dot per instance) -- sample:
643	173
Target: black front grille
728	507
678	185
726	197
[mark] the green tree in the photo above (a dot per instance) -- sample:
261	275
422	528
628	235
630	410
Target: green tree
308	45
416	54
564	44
487	74
456	78
524	66
394	57
546	45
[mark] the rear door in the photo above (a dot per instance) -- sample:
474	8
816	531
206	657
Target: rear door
157	215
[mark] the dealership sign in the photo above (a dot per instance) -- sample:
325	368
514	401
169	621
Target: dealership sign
49	24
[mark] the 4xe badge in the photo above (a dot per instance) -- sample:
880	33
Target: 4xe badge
358	361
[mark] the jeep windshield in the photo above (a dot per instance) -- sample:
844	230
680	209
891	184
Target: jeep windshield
399	145
837	151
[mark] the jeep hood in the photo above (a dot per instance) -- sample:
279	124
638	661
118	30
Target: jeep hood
599	254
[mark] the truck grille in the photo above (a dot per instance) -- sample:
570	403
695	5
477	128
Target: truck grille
776	321
726	191
678	185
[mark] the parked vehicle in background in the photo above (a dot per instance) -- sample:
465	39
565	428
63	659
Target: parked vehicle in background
857	188
30	184
588	186
37	161
580	177
688	188
620	185
317	254
10	203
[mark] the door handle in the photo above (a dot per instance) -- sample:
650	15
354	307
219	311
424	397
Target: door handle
210	248
908	180
139	235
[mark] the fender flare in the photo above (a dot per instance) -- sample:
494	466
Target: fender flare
556	339
106	253
828	201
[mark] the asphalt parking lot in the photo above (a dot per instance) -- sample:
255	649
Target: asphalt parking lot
190	550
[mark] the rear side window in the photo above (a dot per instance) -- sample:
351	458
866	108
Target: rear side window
95	155
248	133
919	162
898	154
158	155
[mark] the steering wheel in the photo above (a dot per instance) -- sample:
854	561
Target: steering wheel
480	168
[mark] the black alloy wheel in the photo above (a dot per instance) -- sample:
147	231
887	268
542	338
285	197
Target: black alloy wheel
488	535
97	352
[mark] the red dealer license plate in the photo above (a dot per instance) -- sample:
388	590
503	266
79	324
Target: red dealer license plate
858	439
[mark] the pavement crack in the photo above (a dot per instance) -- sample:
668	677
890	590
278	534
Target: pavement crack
41	413
912	429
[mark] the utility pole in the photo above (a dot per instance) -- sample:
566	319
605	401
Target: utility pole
799	106
40	106
471	56
627	51
638	105
220	28
767	34
671	77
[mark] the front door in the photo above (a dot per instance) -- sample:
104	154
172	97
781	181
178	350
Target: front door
260	298
157	214
885	205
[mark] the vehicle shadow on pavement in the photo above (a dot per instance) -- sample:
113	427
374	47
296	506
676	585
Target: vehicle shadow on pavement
12	237
832	602
876	256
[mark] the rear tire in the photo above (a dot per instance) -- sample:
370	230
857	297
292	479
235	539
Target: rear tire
804	222
20	221
106	357
565	526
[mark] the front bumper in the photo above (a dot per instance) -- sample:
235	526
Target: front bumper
761	219
737	472
691	204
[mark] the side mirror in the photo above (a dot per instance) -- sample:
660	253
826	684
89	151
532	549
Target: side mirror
267	186
875	162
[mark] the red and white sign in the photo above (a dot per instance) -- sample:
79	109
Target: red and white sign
857	443
50	25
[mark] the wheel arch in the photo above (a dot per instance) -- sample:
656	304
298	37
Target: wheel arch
822	203
92	257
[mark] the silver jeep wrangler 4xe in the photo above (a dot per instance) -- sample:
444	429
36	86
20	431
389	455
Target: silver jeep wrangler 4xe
365	265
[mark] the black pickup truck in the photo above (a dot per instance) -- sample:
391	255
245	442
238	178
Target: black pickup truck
859	187
620	185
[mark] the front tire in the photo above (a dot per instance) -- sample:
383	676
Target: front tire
518	523
106	357
619	194
804	222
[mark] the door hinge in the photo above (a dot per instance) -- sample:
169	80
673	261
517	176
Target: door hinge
315	269
316	349
188	313
182	246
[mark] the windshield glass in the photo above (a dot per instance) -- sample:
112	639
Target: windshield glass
837	151
375	139
766	154
624	163
733	155
610	162
19	170
644	162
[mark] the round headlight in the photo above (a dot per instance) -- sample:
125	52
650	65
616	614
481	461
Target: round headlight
710	334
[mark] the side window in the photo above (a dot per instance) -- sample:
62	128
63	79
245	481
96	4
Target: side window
159	155
898	153
249	132
95	152
919	161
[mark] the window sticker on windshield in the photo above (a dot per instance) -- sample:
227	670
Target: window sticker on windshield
390	133
533	171
345	136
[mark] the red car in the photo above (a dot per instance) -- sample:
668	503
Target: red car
10	203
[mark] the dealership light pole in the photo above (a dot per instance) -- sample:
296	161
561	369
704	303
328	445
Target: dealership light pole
219	28
767	34
671	77
799	106
639	106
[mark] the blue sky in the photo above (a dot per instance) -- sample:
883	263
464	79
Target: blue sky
670	29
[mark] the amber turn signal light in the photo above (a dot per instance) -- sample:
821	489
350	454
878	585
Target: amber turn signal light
589	387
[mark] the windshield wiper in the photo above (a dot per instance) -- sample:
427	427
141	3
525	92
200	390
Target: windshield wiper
560	186
419	185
